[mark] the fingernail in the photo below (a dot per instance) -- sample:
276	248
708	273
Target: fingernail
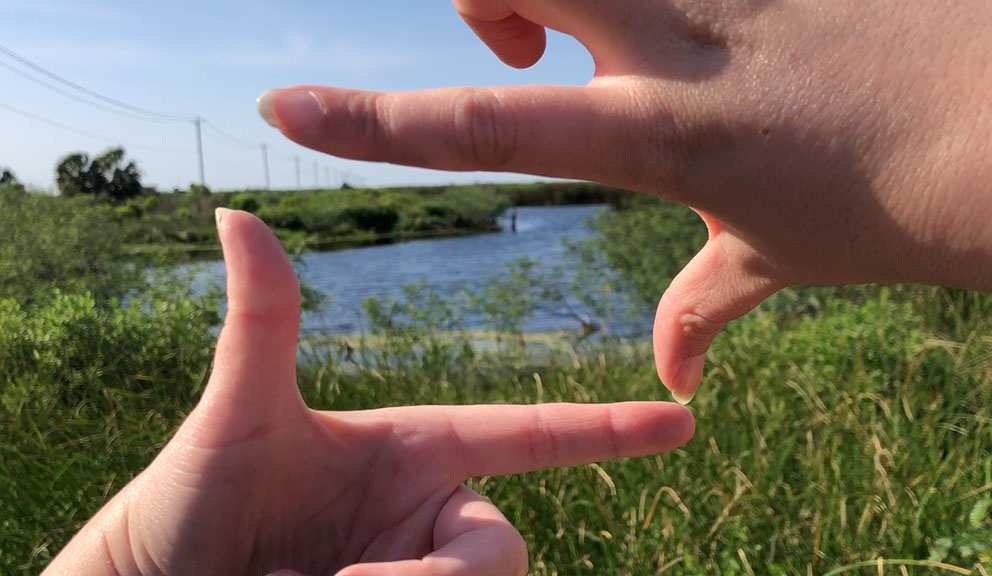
683	399
687	379
265	108
219	215
299	110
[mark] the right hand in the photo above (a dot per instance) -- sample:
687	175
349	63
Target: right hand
823	142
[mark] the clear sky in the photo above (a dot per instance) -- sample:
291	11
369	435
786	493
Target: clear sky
213	58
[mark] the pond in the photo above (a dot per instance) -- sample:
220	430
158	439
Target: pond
450	265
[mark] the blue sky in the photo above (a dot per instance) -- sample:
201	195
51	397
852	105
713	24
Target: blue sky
213	58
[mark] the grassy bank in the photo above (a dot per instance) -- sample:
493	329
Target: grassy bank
176	223
182	223
839	431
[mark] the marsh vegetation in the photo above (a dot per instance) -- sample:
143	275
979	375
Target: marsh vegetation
840	431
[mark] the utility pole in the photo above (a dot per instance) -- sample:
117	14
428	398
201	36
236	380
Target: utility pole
265	165
316	176
327	177
198	122
299	183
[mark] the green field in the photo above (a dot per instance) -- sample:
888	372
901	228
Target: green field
839	431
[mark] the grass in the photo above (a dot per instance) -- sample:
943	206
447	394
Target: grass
839	431
830	443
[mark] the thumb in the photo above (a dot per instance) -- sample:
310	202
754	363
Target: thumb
254	374
724	281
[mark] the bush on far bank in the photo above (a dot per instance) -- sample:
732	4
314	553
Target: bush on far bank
75	245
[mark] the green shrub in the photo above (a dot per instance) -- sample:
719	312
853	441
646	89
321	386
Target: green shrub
649	244
151	202
199	190
378	219
246	202
129	211
280	217
70	352
73	245
88	396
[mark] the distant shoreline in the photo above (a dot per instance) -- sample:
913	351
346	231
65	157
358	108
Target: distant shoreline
179	227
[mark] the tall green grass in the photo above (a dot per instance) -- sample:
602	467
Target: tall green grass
852	435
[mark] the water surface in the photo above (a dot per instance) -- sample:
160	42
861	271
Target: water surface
352	275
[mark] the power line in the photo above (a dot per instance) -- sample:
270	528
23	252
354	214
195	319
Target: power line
91	93
78	98
129	111
210	126
68	128
281	156
217	131
263	147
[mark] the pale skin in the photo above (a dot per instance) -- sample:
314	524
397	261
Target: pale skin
825	142
256	483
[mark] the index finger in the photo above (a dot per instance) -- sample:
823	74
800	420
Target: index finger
500	440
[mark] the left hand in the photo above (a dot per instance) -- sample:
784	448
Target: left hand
254	482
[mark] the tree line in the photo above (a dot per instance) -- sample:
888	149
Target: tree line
108	176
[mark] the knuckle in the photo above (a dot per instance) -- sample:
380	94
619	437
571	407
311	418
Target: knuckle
543	442
485	136
700	329
373	113
610	435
